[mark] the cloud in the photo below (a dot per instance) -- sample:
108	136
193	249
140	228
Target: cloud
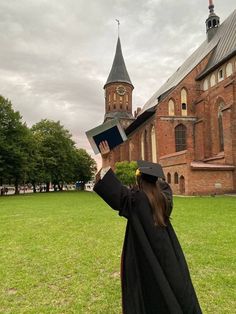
56	55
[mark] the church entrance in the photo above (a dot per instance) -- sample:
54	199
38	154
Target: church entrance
182	185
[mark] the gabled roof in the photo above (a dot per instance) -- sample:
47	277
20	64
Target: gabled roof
118	71
223	43
226	46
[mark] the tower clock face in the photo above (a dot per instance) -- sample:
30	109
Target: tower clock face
121	90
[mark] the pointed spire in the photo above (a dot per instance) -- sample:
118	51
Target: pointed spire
211	6
118	71
212	22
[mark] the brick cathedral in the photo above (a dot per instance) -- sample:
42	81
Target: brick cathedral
189	124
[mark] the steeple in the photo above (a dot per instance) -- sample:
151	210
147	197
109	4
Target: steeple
118	71
212	22
118	90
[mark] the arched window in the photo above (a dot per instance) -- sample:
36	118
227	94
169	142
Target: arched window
114	96
153	143
180	137
145	145
168	177
213	80
131	146
184	102
142	146
220	75
205	85
182	185
221	130
229	69
176	178
171	107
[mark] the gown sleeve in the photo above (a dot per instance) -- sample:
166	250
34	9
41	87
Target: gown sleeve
116	195
167	193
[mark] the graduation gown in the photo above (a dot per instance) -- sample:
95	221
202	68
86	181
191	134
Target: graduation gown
154	274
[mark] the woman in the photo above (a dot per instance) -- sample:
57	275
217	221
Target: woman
154	274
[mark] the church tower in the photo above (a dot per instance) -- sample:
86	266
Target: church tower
212	22
118	91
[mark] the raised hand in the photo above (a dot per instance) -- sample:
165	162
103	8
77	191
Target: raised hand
105	153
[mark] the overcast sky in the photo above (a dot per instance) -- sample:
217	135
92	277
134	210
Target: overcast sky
56	55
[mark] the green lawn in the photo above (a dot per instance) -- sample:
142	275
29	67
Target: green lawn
60	252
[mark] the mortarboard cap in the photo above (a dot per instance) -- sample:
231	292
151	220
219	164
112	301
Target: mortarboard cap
110	131
150	171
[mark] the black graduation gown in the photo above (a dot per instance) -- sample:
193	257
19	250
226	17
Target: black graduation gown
154	274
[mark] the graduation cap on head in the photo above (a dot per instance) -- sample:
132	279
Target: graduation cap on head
150	171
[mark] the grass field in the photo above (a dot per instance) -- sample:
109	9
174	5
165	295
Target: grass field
60	252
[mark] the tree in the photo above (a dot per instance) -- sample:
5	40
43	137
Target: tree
15	146
125	171
56	155
85	166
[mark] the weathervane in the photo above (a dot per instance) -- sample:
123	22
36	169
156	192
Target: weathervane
118	21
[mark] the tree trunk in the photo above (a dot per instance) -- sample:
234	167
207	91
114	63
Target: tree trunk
17	188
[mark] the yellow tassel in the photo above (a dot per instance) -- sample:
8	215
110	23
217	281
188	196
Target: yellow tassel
138	173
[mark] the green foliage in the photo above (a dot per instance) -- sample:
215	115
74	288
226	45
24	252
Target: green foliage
55	150
125	171
85	166
43	154
16	145
60	252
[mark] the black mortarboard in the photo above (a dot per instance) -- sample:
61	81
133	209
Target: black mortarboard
150	171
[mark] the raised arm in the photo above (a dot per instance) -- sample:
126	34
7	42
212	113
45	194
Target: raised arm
116	195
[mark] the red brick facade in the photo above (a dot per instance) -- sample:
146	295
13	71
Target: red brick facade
207	162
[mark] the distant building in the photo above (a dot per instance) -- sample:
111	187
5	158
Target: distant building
189	124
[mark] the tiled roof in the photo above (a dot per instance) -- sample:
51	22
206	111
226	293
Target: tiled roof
224	45
119	115
118	71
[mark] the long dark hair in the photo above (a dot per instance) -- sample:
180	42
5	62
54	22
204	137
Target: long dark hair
156	199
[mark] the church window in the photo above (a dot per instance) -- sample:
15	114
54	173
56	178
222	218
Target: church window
131	145
142	146
184	102
213	80
120	106
109	108
184	106
205	85
176	178
114	106
209	24
220	75
153	143
109	97
180	137
114	96
214	23
127	97
127	108
221	130
229	69
168	177
145	145
121	99
171	107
